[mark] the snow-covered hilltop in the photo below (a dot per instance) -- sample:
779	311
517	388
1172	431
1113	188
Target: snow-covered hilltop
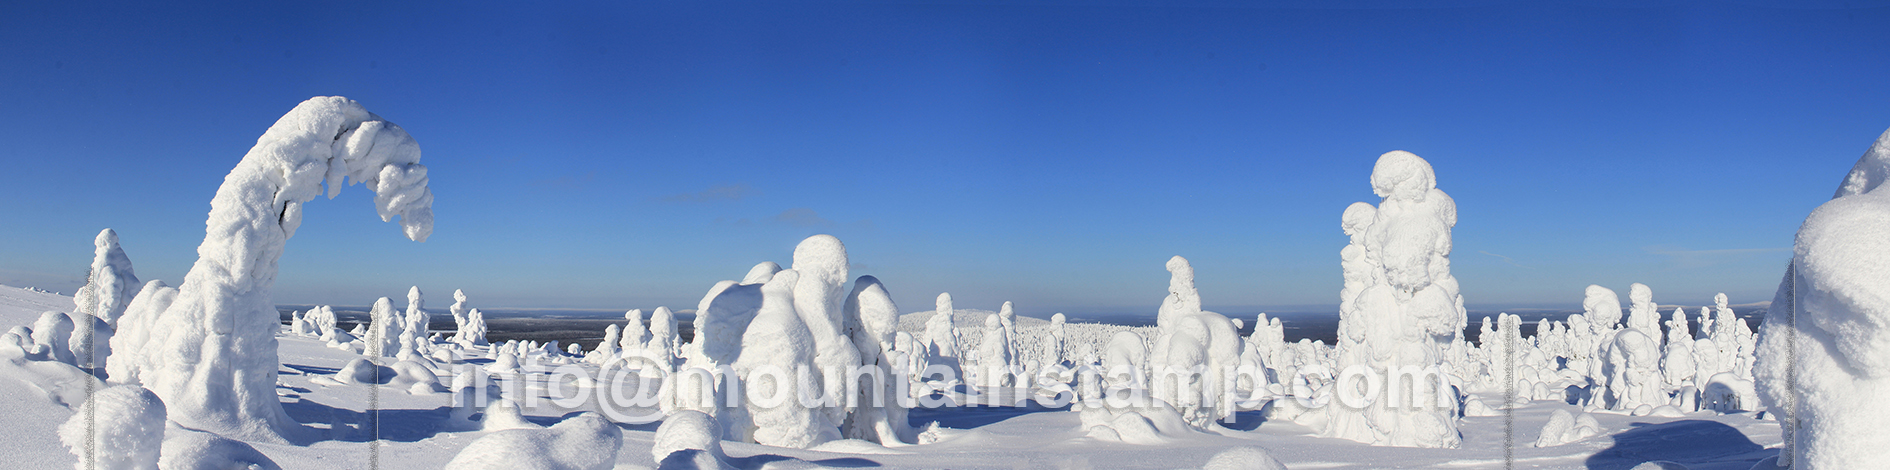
813	365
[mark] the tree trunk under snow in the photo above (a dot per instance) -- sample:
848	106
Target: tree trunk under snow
211	354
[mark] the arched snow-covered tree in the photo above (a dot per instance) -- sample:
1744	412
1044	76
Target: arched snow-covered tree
211	354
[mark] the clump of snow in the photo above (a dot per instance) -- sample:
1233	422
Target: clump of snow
53	332
689	439
118	427
583	442
1243	458
1824	351
211	355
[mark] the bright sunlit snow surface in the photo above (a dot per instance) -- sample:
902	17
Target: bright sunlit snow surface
809	366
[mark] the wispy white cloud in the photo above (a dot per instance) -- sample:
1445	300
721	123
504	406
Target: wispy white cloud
1506	259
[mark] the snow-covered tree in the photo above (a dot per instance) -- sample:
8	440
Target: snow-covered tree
1643	313
475	334
413	333
1405	314
777	360
1676	363
1824	347
635	334
607	349
994	355
821	261
385	327
111	284
1053	343
1193	352
211	353
664	341
941	338
881	415
459	315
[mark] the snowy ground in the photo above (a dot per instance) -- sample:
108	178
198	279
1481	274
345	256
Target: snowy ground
978	437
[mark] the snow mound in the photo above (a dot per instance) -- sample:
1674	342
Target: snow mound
1564	427
583	442
1243	458
1476	408
689	439
360	371
1660	465
195	450
119	427
1151	423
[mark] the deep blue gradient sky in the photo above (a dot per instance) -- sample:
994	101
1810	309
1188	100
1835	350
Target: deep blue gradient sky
629	156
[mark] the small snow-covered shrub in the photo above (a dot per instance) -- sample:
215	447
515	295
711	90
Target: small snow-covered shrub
120	427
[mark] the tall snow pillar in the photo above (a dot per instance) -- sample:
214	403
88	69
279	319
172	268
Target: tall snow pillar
1402	312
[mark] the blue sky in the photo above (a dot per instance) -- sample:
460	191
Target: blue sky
1052	154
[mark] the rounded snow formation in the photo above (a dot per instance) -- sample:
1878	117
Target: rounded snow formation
583	442
211	354
119	427
1824	347
1564	427
187	449
688	439
416	377
1152	423
1243	458
360	371
1402	175
1601	307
